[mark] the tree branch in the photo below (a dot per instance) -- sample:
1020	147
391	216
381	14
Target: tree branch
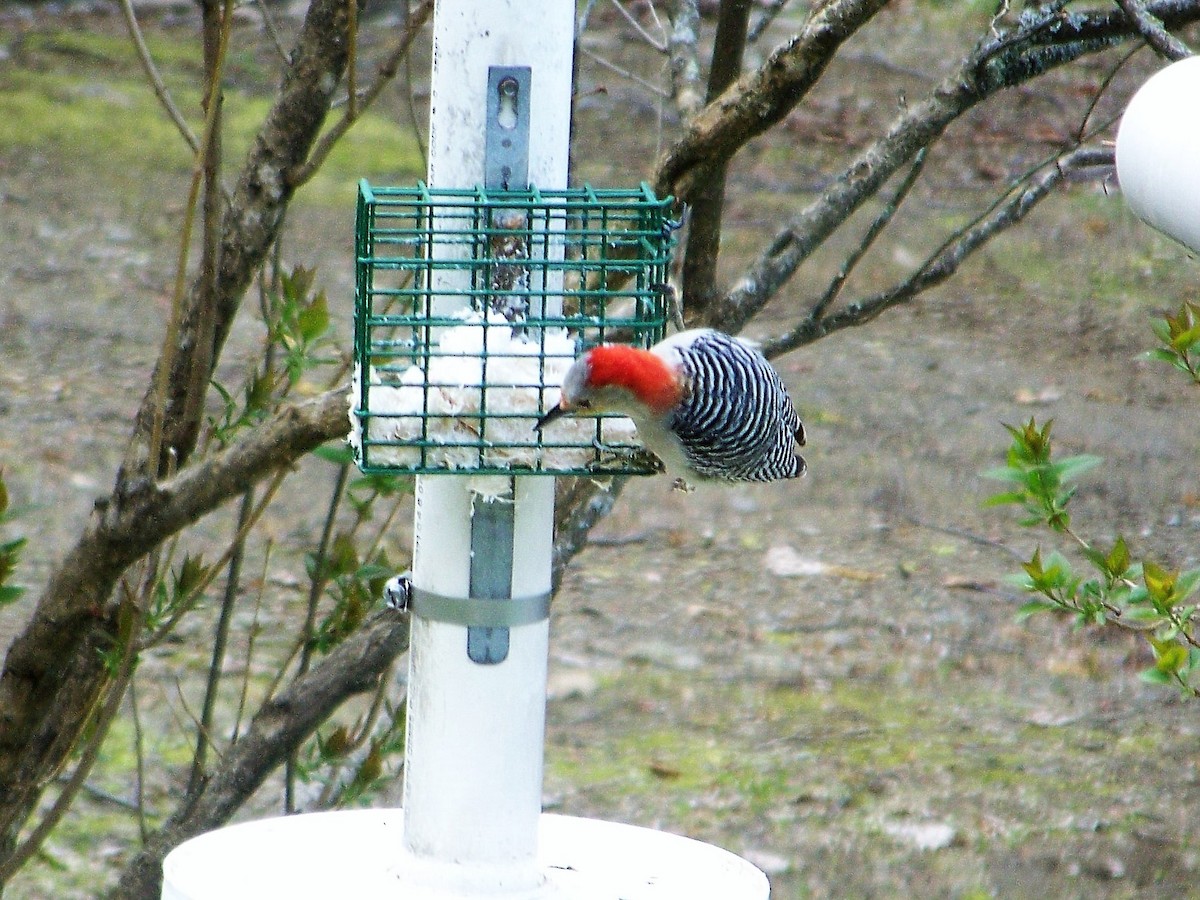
54	667
1039	45
249	227
156	82
703	249
1151	28
686	89
762	98
355	110
945	261
580	503
283	723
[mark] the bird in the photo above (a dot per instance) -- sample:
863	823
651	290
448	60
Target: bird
707	404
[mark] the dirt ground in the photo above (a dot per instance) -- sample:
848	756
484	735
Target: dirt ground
825	676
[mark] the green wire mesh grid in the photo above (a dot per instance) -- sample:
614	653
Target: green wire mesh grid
471	305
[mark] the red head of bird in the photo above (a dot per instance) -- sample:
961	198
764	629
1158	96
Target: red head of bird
619	378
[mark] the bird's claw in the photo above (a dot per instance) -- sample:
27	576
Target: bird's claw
638	457
397	592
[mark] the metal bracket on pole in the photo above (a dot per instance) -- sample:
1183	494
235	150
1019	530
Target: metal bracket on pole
506	138
492	531
505	167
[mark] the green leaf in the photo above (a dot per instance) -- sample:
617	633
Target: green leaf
1159	582
1186	584
1141	613
1162	355
10	593
370	571
1033	607
1154	675
1171	657
343	555
1005	473
1073	466
1161	329
313	319
339	454
1004	499
1185	340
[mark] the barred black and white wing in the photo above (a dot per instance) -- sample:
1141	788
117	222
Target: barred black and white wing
736	422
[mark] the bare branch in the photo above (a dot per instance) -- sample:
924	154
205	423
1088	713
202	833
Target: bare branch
580	504
699	271
762	98
770	12
54	667
1039	45
945	261
624	73
890	208
686	88
1151	28
248	229
353	667
650	39
156	82
354	110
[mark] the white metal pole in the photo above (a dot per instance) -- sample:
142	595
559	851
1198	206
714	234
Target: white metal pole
473	762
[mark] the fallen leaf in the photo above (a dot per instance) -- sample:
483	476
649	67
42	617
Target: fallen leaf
966	583
1049	394
664	771
853	574
921	835
784	562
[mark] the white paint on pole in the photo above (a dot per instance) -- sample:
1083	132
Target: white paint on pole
474	749
474	746
1158	152
468	37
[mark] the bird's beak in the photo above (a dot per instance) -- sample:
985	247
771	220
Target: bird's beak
556	412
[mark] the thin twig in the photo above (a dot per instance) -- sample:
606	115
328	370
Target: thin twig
316	587
356	108
139	756
269	27
770	11
220	642
160	88
1007	211
104	717
384	528
1151	28
877	226
637	26
625	73
185	606
352	57
251	638
1101	89
687	88
410	104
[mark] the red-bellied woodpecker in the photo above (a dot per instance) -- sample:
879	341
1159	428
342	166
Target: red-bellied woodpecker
708	405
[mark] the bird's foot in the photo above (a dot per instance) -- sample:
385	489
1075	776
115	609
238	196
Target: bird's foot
634	457
682	486
397	593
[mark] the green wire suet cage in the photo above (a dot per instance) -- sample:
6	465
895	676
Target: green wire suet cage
471	305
